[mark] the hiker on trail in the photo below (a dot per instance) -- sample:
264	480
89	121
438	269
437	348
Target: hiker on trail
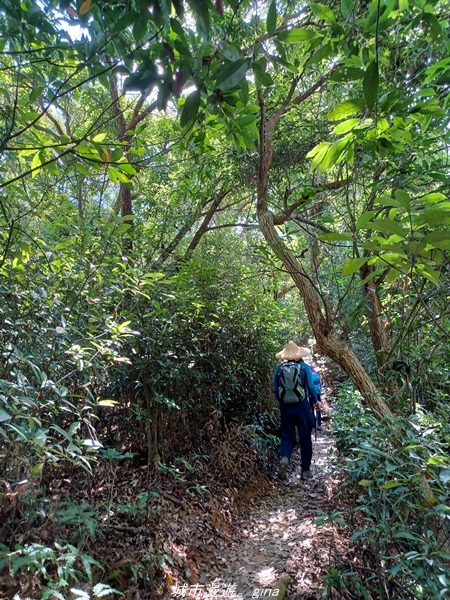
317	383
292	384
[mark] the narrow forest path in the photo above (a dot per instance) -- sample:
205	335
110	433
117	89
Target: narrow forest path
278	536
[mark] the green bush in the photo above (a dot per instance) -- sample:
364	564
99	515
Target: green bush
398	478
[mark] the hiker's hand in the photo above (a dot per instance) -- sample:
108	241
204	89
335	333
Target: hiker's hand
318	406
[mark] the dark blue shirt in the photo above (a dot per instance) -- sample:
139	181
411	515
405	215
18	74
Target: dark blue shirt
305	380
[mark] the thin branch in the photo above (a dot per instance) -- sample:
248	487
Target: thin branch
243	225
206	221
50	118
115	103
286	214
314	224
137	118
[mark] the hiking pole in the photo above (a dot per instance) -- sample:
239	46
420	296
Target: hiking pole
315	423
315	439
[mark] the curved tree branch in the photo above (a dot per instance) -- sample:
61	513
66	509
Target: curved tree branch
327	344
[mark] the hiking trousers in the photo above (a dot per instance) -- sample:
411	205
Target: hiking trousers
297	418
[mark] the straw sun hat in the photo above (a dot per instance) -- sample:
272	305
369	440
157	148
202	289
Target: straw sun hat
292	352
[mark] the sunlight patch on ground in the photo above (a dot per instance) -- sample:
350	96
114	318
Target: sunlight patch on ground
266	577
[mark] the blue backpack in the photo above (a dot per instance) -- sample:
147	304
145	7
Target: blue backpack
316	382
290	389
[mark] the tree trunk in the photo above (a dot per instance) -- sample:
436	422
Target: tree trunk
373	312
337	351
205	223
124	203
320	325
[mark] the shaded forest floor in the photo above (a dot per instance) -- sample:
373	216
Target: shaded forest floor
276	535
196	529
206	535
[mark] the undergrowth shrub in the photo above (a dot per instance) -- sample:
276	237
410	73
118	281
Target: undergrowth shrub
204	357
396	491
101	355
38	570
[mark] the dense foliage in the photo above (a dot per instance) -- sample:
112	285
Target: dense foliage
175	177
392	518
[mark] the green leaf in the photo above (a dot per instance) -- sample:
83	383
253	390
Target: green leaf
438	239
400	135
61	431
296	35
385	200
433	197
37	469
177	28
233	74
65	243
353	265
432	27
139	29
429	273
323	12
128	18
261	76
116	176
116	154
390	484
201	13
36	163
87	561
320	154
392	275
347	74
345	109
403	199
317	149
36	92
271	21
347	7
127	168
346	126
405	535
390	227
350	154
336	237
229	51
371	84
416	247
99	138
4	416
335	153
284	63
364	219
365	482
107	402
434	215
323	52
190	109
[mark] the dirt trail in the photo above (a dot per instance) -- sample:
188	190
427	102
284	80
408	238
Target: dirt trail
278	536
